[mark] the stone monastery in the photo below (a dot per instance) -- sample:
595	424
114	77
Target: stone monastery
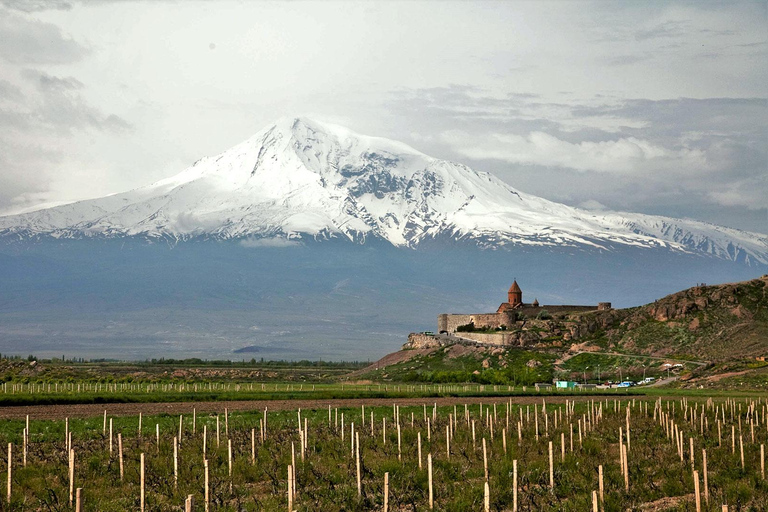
508	313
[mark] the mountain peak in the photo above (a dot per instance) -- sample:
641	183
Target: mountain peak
300	177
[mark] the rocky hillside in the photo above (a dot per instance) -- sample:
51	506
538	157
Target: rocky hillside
713	323
709	323
725	325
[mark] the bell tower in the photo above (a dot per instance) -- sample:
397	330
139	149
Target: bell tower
515	294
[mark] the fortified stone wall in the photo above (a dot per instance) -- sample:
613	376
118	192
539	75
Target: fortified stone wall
532	312
501	339
450	322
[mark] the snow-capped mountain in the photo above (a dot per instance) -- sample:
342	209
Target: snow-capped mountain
301	178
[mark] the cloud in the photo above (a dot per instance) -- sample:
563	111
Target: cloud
58	107
667	29
628	60
256	243
37	5
622	155
591	204
751	193
32	42
9	92
681	157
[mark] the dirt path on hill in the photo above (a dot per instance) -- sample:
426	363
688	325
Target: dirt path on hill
59	412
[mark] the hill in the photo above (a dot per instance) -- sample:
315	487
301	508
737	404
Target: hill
696	332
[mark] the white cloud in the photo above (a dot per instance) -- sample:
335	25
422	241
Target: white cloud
592	204
751	194
254	243
625	155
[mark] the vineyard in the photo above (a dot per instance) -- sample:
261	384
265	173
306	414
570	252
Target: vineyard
548	453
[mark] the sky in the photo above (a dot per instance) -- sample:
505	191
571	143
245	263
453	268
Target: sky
651	107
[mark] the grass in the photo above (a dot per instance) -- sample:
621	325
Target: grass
487	366
615	368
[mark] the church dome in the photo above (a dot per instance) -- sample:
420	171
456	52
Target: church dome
515	288
535	303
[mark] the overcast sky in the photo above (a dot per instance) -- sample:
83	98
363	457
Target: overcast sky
653	107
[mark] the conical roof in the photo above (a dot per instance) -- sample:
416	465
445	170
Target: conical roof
515	288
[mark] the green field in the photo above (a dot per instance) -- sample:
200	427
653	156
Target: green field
327	475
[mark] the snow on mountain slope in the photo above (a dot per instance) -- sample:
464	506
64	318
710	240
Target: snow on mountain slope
300	177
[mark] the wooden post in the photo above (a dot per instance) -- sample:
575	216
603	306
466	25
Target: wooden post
139	425
399	452
514	485
71	475
487	501
419	443
175	462
293	467
762	461
562	446
229	462
696	490
626	467
110	438
157	436
10	471
79	499
207	486
142	482
386	492
485	461
741	449
594	501
600	482
551	468
448	442
253	446
194	423
504	438
357	460
690	450
706	482
218	431
290	488
189	504
120	453
431	494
